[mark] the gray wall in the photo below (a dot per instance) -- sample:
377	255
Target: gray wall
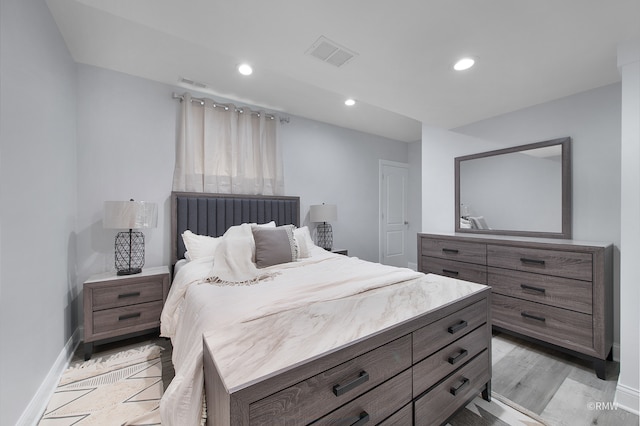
38	295
415	201
591	119
126	149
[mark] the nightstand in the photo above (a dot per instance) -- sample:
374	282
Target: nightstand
340	251
118	305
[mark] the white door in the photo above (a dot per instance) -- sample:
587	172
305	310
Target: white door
393	213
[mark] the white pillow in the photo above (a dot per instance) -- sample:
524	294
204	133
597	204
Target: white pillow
304	241
199	246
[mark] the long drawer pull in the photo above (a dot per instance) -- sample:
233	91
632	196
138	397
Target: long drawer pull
450	272
534	317
362	419
341	389
132	294
532	261
532	288
455	390
454	359
455	328
128	316
451	251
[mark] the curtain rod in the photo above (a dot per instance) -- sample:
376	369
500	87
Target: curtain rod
217	105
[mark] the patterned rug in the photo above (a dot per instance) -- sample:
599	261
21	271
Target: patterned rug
124	388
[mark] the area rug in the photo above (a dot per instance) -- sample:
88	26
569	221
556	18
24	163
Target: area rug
500	411
124	388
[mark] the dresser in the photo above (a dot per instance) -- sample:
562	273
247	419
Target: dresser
556	292
116	306
419	371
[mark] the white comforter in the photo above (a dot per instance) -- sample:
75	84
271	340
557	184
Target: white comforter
194	306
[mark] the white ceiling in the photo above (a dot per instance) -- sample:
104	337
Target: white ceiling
528	52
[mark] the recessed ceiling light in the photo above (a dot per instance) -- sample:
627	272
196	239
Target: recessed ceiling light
464	64
350	102
245	69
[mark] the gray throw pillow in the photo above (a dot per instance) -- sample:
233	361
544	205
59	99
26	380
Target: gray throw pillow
274	245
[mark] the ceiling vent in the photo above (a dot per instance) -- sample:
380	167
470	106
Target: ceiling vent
330	52
192	83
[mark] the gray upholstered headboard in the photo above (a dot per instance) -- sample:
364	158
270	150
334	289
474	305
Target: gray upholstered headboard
213	214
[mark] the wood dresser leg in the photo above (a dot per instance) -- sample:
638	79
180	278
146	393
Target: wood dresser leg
600	365
486	392
88	351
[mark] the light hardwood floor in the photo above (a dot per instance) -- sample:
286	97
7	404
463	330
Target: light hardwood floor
562	390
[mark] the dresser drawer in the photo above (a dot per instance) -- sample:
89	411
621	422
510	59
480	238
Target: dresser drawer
543	322
430	371
451	268
403	417
550	262
560	292
441	402
113	296
455	250
436	335
375	405
127	317
316	396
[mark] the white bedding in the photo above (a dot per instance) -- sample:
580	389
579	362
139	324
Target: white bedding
194	306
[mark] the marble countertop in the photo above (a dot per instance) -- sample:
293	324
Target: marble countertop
247	353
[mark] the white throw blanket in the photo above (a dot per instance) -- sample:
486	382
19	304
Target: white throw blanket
194	307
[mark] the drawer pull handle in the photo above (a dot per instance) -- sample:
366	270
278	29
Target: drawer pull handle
362	419
454	359
455	328
451	251
455	390
339	390
532	288
532	261
535	317
132	294
450	272
128	316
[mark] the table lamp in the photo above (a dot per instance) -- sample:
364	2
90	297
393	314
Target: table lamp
324	213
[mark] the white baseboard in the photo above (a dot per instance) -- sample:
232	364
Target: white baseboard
628	399
35	409
413	265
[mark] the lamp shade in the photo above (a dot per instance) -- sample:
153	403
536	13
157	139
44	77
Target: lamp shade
323	213
130	214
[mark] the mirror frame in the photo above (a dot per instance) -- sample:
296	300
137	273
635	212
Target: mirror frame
566	190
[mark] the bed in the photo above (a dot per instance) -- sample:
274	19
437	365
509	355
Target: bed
323	338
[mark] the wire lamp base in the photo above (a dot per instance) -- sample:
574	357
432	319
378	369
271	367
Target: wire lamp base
325	235
129	253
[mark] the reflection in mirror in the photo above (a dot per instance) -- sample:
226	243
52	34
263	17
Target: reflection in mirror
520	191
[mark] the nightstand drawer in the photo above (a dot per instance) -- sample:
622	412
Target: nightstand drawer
133	316
113	296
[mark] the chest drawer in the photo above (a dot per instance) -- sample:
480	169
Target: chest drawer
316	396
560	292
442	401
403	417
451	268
114	296
455	250
544	322
127	317
436	335
431	370
374	406
550	262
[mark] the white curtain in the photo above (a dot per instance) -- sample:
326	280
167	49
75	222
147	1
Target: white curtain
227	151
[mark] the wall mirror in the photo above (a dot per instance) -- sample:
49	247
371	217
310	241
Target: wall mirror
523	190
